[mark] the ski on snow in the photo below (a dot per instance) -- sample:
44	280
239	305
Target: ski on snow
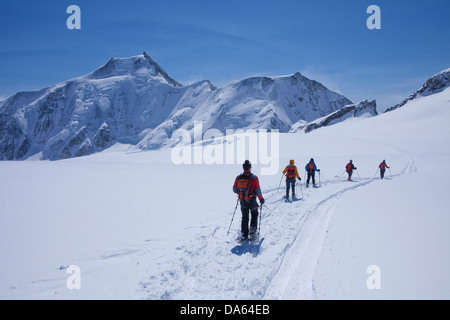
290	200
252	240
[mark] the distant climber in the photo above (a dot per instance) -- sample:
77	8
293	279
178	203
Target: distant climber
383	167
349	168
311	169
291	173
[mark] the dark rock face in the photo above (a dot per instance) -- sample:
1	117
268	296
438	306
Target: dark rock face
354	110
104	138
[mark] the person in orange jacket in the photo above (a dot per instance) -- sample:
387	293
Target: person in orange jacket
291	173
383	167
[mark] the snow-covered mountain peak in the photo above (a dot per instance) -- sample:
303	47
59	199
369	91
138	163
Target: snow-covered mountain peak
134	101
141	65
160	71
293	78
437	83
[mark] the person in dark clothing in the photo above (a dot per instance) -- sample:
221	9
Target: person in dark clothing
311	169
246	186
291	173
383	167
349	168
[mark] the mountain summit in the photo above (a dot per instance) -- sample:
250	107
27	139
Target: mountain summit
133	100
142	65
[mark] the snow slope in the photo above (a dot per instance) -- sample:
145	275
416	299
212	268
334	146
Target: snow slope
141	227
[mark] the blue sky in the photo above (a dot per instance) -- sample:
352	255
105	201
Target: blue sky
222	41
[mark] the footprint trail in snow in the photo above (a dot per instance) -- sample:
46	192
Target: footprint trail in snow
280	266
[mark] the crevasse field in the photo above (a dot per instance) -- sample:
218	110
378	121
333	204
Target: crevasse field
139	226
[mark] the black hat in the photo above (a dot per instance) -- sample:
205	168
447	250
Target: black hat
246	165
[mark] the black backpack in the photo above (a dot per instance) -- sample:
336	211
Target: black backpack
244	185
290	172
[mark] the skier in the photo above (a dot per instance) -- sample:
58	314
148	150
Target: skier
311	170
349	168
383	167
247	187
291	173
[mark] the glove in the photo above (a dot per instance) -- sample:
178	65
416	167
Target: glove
299	179
262	201
318	170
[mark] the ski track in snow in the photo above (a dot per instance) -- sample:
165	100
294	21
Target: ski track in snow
214	266
293	279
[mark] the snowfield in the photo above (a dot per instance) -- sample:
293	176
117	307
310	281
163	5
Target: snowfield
140	227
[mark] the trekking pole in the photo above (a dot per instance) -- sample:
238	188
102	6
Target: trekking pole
301	188
237	202
390	172
376	173
358	174
342	174
259	225
280	182
300	183
319	178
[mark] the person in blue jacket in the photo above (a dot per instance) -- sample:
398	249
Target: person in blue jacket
311	169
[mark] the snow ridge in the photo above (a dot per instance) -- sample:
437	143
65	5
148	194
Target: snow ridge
437	83
362	109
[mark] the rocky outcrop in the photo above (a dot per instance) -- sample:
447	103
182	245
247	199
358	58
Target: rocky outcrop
435	84
362	109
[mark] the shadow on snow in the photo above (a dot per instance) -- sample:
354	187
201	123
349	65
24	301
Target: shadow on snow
248	247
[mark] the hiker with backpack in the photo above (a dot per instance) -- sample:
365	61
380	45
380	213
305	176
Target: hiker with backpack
311	169
349	168
246	186
291	173
382	168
